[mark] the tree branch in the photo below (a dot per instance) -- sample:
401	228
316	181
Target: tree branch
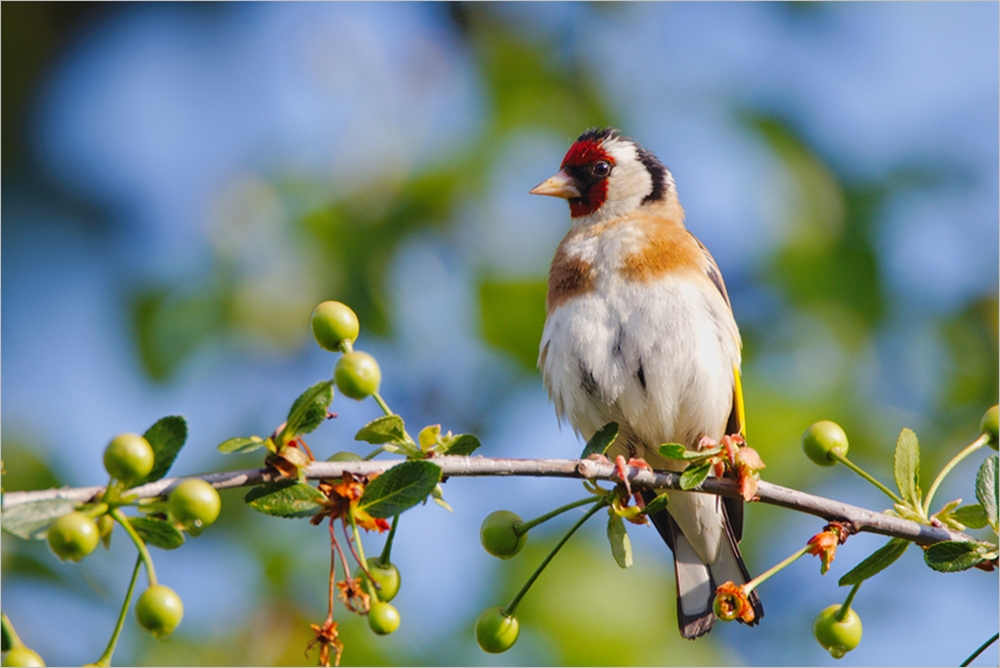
860	518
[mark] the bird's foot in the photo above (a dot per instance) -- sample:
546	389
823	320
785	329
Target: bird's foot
621	468
706	443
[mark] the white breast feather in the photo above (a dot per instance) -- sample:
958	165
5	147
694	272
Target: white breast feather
682	336
687	342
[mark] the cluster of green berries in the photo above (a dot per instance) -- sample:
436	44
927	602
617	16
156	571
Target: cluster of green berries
192	506
357	375
496	630
383	618
335	328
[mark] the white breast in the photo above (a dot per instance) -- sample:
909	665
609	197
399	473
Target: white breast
656	357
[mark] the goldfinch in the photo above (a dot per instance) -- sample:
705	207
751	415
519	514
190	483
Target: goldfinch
640	331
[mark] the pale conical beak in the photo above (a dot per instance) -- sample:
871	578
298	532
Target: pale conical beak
560	185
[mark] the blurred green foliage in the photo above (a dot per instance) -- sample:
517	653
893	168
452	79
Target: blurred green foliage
356	236
513	315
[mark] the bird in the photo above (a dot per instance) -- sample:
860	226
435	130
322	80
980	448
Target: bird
639	330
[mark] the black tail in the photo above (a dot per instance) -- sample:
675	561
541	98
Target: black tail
696	583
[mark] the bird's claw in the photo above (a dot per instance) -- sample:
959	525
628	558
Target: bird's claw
621	468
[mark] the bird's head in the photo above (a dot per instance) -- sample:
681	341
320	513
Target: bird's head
605	175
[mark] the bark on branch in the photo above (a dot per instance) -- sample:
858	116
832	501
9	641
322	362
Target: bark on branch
861	519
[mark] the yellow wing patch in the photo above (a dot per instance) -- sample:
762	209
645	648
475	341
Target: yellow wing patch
738	401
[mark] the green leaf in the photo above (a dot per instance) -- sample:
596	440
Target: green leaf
158	533
438	495
464	444
169	326
678	451
907	467
241	444
308	411
401	487
973	515
657	504
167	436
953	555
29	520
285	498
513	317
601	441
987	488
875	563
695	475
621	546
386	429
673	451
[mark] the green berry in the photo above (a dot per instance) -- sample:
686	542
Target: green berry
159	611
988	425
344	457
129	458
821	439
495	631
387	578
837	637
73	536
357	375
194	504
22	656
498	536
383	618
332	322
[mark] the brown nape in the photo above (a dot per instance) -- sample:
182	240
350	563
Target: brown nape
568	278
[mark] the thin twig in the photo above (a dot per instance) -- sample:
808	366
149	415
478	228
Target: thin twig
451	466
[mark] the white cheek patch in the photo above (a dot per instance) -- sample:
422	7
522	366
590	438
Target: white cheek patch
630	181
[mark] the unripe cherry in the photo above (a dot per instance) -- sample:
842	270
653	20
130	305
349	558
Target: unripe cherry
383	618
129	458
159	611
495	631
821	438
73	536
835	636
498	536
357	375
333	322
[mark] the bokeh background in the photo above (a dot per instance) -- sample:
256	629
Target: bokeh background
183	183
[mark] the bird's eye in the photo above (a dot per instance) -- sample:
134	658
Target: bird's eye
602	169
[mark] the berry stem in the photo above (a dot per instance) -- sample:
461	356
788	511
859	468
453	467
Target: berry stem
524	527
360	556
840	457
383	559
105	659
373	454
139	543
331	594
982	648
753	584
381	403
841	614
512	606
968	450
96	510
